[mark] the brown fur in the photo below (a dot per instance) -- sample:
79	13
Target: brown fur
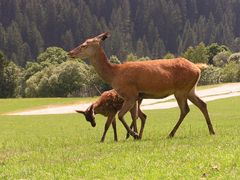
148	79
108	105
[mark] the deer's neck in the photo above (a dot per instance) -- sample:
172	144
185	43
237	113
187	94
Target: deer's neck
102	66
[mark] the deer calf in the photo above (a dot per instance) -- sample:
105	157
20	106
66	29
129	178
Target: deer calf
108	105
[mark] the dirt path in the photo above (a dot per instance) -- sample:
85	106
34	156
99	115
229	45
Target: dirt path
223	91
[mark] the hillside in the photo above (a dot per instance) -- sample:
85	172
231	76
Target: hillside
147	28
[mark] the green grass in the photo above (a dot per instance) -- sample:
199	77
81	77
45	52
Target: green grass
20	104
10	105
67	147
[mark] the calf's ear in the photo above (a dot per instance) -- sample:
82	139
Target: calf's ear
91	109
80	111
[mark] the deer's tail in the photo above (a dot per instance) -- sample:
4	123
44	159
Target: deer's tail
201	66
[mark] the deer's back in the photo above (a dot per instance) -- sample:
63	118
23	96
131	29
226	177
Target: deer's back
157	78
109	102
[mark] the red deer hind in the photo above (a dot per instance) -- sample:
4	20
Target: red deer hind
146	79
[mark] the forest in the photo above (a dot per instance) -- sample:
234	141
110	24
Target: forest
36	34
146	28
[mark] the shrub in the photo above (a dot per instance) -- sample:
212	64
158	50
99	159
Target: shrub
198	54
221	58
235	57
168	56
214	49
210	75
231	72
113	59
132	57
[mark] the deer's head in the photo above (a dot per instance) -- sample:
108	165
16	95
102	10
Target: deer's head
89	47
89	115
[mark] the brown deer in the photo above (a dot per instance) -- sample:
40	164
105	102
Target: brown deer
146	79
108	105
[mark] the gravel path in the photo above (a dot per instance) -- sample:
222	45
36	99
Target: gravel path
223	91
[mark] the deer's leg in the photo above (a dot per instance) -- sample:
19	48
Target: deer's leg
114	129
184	109
127	105
134	116
143	118
131	127
107	124
203	107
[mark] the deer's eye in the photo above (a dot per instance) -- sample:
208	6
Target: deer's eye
83	46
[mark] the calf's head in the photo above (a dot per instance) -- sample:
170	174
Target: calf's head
89	115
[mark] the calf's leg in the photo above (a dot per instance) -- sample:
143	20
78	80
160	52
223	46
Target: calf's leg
114	129
107	124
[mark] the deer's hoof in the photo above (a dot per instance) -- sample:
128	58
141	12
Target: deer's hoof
136	136
212	132
127	135
170	136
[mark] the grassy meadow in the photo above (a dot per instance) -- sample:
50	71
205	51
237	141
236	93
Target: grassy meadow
67	147
19	104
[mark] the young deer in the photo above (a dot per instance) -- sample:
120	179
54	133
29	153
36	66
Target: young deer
108	105
146	79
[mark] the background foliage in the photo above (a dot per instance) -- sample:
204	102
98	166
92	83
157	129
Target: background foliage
145	28
31	32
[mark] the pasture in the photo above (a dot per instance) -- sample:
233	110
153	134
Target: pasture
67	147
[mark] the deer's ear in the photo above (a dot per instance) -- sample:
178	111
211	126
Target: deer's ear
103	36
80	111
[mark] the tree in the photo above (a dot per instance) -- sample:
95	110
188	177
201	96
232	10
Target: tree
53	55
198	54
58	80
3	37
10	74
72	76
34	38
236	44
14	41
213	49
67	40
35	73
186	39
140	48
